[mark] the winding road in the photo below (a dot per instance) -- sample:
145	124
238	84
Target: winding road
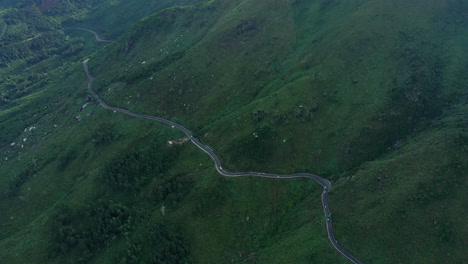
196	141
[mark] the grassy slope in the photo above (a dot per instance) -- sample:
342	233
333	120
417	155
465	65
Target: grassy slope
125	13
200	86
231	58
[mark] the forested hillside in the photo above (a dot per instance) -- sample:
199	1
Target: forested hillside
370	94
34	44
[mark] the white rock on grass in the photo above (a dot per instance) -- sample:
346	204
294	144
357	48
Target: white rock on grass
163	209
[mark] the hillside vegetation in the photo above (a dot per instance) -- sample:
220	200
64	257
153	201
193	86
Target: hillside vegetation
370	94
35	47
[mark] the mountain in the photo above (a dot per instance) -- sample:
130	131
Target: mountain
369	94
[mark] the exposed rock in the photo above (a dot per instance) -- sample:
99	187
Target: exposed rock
83	107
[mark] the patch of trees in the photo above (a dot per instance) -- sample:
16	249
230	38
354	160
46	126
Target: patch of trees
161	243
84	3
417	95
84	232
441	185
30	37
30	16
39	47
132	170
427	193
255	146
104	134
16	86
29	34
171	191
90	229
58	8
18	181
67	158
444	230
246	29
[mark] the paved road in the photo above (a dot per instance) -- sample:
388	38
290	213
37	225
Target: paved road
195	140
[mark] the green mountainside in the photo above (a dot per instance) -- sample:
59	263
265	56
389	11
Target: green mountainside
370	94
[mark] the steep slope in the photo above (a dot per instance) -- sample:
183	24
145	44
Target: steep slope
36	43
294	70
124	14
366	93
